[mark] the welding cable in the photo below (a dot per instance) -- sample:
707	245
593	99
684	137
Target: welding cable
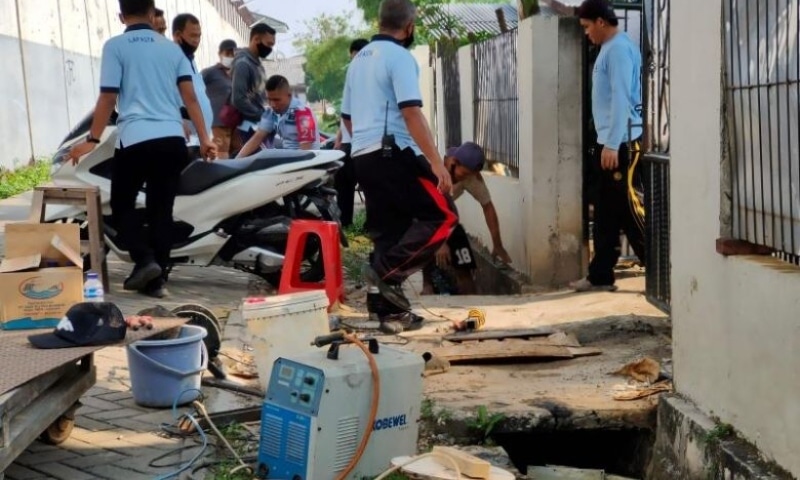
421	304
373	411
191	418
415	459
242	465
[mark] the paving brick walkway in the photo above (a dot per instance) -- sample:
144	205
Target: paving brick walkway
113	437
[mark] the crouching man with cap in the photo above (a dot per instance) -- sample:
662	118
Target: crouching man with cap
465	164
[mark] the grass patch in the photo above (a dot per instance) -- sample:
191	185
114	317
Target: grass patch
23	179
720	432
484	423
244	443
358	227
354	257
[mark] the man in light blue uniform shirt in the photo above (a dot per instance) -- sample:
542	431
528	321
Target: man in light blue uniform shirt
287	116
406	186
616	110
151	78
186	32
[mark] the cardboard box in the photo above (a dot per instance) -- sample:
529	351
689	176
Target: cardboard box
41	276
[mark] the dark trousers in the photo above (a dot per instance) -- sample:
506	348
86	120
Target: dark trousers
345	185
156	165
617	207
408	218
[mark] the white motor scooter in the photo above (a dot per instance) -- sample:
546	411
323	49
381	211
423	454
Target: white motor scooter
229	212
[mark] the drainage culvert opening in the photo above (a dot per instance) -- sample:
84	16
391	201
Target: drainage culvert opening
618	452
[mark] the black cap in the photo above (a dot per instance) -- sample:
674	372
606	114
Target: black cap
227	45
84	325
469	154
594	9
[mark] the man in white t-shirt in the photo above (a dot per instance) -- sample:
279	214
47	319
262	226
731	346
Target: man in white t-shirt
345	179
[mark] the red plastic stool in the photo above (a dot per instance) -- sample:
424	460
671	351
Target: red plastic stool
328	233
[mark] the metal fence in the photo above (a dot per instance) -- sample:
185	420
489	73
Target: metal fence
655	174
496	103
451	94
762	80
656	160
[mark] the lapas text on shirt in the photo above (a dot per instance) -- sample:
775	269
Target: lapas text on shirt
141	39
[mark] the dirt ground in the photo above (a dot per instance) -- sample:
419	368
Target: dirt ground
576	393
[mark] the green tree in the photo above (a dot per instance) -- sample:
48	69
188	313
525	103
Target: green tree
325	46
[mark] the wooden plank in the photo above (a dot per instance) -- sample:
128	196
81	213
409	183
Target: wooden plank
14	401
510	349
469	465
36	214
498	334
429	469
559	339
24	428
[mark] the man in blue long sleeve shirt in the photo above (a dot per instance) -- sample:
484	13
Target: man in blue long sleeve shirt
616	104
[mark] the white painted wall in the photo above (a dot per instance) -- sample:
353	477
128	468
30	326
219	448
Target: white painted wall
51	50
540	212
736	331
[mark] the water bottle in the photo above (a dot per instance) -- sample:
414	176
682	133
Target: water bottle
93	288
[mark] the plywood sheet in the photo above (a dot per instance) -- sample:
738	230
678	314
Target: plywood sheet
21	362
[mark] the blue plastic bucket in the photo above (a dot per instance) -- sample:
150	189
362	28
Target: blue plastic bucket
162	370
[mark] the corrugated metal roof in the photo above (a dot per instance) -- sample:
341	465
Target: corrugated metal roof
280	27
480	17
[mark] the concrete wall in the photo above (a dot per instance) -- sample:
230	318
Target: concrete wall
422	55
736	336
540	212
51	52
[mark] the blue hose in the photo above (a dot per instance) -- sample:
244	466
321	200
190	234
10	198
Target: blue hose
191	418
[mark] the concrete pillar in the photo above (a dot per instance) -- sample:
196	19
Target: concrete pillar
423	56
549	86
440	133
467	90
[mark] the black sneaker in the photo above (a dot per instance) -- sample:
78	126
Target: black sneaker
392	293
157	288
140	277
397	323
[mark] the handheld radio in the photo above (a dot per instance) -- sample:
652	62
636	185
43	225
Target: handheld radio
387	142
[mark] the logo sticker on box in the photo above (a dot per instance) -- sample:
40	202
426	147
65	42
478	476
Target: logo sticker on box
35	289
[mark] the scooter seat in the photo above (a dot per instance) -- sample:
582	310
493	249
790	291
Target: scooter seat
200	176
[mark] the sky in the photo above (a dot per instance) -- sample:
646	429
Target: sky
295	12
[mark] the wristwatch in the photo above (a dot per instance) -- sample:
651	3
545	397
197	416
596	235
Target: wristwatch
91	139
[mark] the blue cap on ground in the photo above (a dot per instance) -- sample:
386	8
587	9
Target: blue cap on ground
469	154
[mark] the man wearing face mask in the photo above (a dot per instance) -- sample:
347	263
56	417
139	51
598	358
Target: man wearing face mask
406	186
217	79
186	33
249	79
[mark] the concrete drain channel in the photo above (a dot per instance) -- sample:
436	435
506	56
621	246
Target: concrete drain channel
625	452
